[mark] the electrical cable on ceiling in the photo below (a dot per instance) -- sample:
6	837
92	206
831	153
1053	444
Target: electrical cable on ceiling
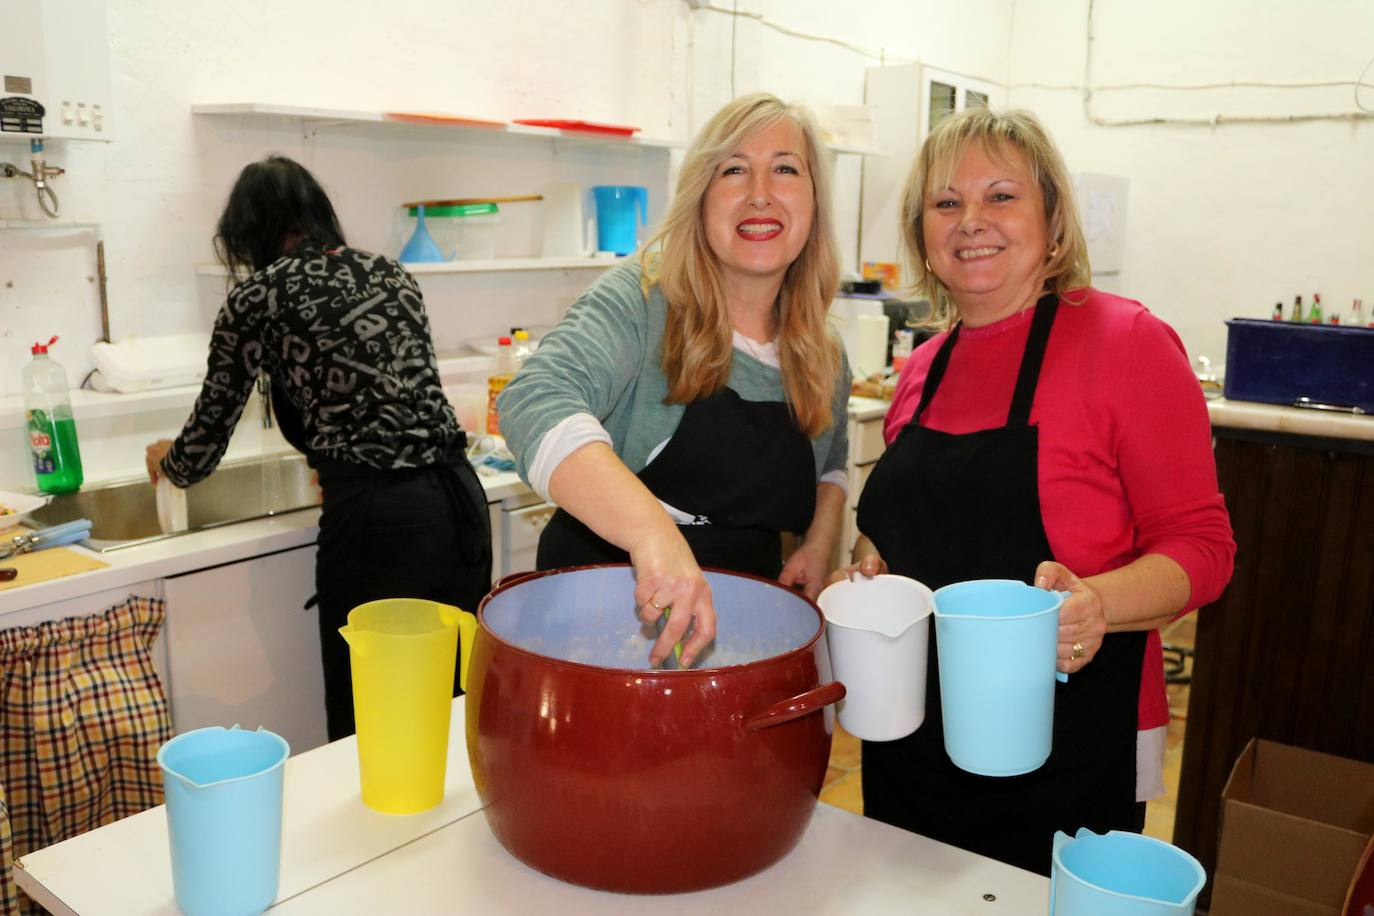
734	21
1087	87
1216	120
763	20
1360	82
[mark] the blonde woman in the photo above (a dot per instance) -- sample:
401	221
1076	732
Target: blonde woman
1053	434
691	405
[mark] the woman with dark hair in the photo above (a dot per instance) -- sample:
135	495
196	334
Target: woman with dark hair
344	337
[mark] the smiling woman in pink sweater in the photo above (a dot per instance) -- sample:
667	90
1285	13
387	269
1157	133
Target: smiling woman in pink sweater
1053	434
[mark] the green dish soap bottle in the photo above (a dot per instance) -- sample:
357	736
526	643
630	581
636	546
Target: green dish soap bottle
50	427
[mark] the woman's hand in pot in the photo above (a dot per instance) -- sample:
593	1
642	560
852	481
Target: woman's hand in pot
669	581
1082	622
152	458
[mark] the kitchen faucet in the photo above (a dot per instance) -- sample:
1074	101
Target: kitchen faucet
265	399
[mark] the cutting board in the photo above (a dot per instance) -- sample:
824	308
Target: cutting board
53	563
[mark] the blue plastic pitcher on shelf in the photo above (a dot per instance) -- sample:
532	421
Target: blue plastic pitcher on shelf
617	206
224	791
1121	874
421	249
996	643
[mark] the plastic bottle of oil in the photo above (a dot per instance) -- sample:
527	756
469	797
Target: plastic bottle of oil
500	377
521	347
50	428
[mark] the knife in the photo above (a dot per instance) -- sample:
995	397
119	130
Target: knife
55	536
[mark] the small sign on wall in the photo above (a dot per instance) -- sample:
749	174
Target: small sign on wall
1102	210
19	115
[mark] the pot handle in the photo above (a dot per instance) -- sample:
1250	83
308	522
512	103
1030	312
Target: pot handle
512	578
795	707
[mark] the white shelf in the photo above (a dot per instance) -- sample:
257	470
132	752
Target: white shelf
335	116
475	267
856	150
53	224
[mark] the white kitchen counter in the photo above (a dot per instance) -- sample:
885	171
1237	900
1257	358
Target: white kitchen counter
340	857
862	409
1293	420
199	550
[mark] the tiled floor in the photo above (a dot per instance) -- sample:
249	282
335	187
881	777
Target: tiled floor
843	790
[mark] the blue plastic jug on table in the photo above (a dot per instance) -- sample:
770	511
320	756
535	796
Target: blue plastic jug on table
1121	874
620	211
224	797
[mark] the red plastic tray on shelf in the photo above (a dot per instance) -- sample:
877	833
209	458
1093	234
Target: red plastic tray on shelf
618	130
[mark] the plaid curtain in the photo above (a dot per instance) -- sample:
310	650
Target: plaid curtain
82	715
9	894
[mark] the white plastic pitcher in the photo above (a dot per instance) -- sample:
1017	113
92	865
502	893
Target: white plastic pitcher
878	630
1121	874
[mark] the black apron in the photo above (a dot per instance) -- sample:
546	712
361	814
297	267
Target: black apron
945	508
407	533
743	468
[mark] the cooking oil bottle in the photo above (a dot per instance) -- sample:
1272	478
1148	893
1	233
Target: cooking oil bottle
50	428
500	377
521	347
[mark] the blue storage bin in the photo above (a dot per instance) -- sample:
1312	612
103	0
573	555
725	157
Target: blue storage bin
1278	362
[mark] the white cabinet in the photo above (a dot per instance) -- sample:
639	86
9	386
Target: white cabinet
865	448
516	523
907	99
244	650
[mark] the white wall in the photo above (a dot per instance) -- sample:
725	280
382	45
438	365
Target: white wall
1225	220
1200	196
158	188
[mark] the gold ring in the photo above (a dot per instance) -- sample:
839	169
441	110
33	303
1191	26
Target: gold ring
1077	650
656	606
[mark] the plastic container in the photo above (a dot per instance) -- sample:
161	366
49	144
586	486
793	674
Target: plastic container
502	372
879	630
522	346
997	641
402	652
224	791
463	232
50	427
1121	874
421	249
617	228
1284	362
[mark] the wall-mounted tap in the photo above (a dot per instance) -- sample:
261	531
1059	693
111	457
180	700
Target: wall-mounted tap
265	399
41	172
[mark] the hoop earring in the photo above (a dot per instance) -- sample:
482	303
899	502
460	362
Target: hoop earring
928	270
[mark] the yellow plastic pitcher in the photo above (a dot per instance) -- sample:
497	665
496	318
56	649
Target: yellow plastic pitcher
402	652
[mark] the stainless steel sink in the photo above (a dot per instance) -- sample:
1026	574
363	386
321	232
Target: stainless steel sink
124	513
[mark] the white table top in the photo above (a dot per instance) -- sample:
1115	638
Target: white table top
339	857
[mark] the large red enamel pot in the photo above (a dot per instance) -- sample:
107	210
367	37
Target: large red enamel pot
599	770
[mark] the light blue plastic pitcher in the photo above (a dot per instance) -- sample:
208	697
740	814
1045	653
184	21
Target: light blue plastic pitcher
1122	874
224	788
617	229
996	642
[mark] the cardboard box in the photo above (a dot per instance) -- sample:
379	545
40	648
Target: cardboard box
1294	823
